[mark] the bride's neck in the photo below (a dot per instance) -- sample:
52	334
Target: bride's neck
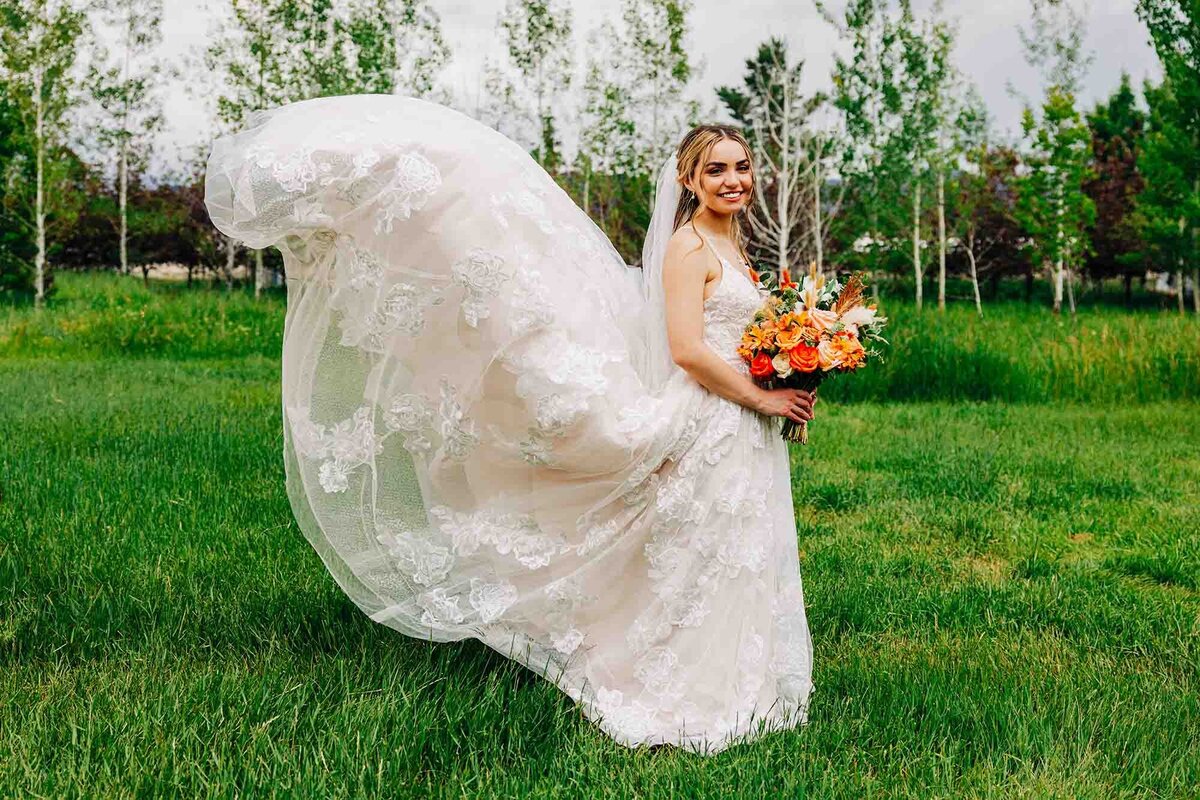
715	225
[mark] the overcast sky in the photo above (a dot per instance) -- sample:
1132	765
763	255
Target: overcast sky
725	33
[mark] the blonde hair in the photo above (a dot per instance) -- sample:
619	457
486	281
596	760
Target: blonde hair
689	156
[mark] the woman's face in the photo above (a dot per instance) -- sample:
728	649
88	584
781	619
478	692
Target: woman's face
724	179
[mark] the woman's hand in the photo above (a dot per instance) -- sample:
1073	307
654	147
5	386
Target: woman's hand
795	404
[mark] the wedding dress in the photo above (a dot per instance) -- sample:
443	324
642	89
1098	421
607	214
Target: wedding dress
479	441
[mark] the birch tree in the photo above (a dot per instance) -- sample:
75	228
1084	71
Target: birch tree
865	92
538	39
1055	207
608	147
925	104
788	215
124	84
655	40
976	195
38	45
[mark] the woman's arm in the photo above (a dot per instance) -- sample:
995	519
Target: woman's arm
684	274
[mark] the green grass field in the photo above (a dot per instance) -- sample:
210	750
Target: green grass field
1003	581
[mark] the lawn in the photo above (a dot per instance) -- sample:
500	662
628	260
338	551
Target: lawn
1004	594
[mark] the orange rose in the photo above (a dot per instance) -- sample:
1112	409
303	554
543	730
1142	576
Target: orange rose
761	367
790	336
805	358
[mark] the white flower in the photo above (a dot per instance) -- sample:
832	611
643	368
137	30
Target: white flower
782	364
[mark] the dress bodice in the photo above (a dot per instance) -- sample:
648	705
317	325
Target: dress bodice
728	310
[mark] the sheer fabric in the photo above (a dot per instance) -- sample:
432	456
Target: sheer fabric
472	441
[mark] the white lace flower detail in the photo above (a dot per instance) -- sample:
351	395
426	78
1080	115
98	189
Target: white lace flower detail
457	430
556	412
491	600
635	721
341	448
440	608
597	536
294	173
365	269
414	179
658	670
516	535
531	306
634	417
480	273
411	415
422	560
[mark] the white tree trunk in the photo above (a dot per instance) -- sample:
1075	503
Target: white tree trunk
1058	263
974	272
1070	277
818	223
39	212
123	195
941	200
259	278
916	241
1179	270
230	256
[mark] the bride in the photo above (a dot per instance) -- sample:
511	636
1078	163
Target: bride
495	429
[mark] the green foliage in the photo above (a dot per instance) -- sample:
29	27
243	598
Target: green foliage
1117	127
1053	206
1168	207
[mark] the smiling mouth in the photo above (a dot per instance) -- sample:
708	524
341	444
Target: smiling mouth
730	195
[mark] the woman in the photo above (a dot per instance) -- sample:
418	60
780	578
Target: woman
492	431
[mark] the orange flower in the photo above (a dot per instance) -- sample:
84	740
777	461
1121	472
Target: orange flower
755	337
761	366
790	336
785	279
805	358
830	355
849	349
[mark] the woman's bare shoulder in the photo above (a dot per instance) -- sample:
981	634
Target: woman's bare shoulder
685	243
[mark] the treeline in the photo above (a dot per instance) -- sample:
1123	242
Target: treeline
896	171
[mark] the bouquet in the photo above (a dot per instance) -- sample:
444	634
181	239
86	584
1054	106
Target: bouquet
804	333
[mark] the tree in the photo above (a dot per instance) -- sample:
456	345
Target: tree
38	44
654	40
1166	213
266	53
787	217
123	86
925	110
1117	126
538	38
982	207
1054	207
607	157
866	93
1174	27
